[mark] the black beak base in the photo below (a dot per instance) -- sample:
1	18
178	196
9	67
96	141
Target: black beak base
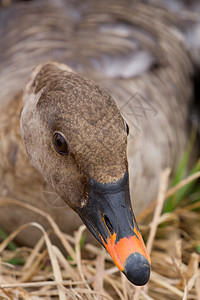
109	204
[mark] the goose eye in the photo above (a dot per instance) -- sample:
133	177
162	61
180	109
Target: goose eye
127	128
60	144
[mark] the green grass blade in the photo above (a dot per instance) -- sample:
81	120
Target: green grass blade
12	246
173	201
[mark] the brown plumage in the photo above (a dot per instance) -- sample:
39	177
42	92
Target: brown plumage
134	53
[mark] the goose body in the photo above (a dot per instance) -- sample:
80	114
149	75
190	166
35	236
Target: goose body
145	70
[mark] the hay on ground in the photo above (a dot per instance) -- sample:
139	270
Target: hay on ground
173	241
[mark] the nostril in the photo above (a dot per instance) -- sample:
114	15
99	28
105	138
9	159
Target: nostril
108	224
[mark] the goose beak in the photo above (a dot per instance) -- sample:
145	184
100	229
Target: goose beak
109	216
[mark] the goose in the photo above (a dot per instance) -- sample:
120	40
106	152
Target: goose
102	72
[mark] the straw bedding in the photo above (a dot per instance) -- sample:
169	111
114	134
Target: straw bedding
87	272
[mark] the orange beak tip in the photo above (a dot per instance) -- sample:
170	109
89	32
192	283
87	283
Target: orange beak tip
131	257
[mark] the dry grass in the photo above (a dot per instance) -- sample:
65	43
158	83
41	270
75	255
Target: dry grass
173	240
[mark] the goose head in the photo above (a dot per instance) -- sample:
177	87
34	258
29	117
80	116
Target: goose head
76	137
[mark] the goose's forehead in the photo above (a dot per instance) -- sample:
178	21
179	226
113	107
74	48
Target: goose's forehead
91	119
70	98
91	109
93	113
71	103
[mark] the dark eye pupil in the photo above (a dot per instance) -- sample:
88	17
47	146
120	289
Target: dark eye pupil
59	143
127	129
